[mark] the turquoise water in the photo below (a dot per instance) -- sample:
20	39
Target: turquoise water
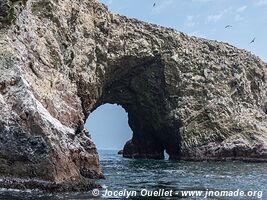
152	175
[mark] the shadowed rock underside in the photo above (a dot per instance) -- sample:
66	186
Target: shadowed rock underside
59	60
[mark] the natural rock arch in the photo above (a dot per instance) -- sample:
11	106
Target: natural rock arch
141	92
59	60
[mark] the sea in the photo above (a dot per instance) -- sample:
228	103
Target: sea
164	179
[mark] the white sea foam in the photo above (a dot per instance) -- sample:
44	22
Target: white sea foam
15	190
173	171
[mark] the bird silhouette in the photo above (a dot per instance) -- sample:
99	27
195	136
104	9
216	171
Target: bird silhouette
253	40
154	4
228	26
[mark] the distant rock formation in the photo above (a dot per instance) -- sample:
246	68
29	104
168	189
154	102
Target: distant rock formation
59	60
120	152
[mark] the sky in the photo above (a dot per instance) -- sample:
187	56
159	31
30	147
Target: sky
108	125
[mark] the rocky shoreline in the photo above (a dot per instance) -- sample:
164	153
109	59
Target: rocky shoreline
47	186
194	98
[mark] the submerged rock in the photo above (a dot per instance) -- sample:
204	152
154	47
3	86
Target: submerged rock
59	60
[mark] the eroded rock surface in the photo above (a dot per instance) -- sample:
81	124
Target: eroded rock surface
59	60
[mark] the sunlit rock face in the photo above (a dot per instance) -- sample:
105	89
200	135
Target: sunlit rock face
59	60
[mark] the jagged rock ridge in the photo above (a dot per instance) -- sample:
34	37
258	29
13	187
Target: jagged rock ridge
59	60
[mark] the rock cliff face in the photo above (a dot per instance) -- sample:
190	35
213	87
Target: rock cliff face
61	59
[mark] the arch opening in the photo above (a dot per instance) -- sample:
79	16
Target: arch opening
142	91
108	127
166	155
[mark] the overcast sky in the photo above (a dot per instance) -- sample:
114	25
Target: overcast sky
203	18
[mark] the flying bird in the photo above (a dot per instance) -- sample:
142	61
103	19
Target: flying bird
154	4
253	40
228	26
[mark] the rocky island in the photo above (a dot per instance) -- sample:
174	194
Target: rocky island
194	98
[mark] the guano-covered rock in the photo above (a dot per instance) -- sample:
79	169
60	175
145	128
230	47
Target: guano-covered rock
61	59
